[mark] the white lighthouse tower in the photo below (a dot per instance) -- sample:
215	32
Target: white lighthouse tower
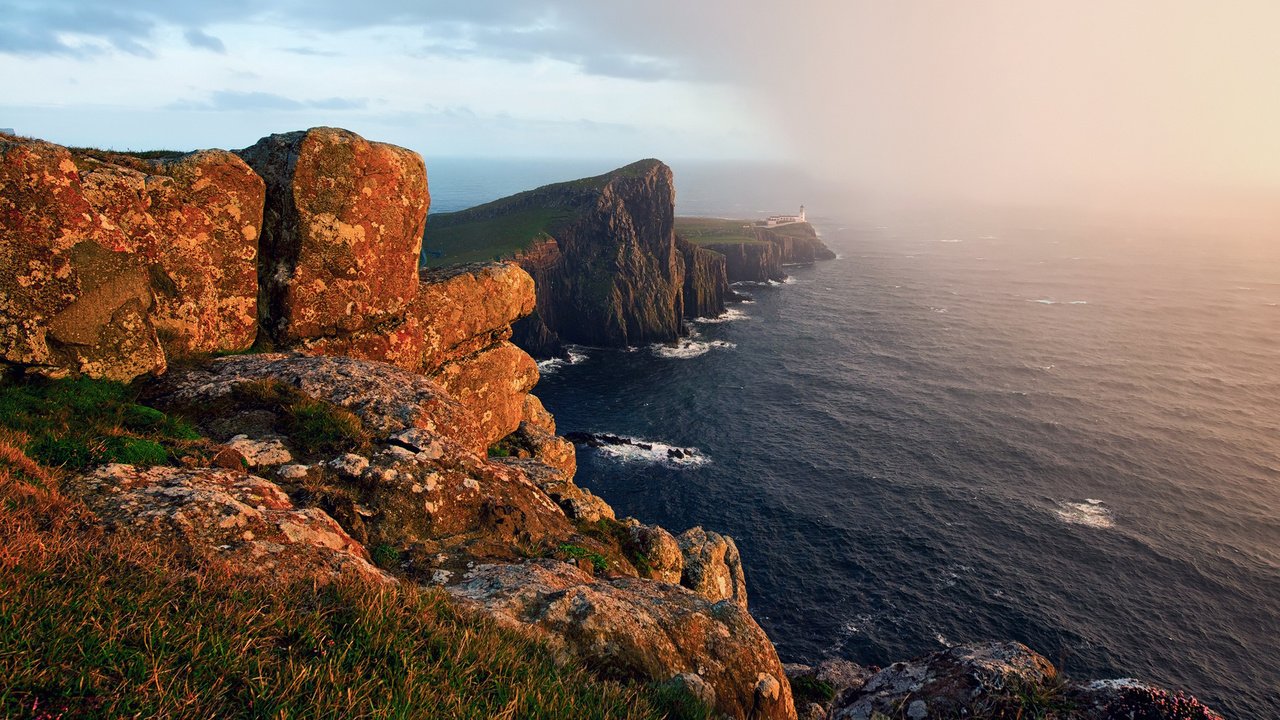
802	214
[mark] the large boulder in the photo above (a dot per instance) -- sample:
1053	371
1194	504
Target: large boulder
70	299
712	566
342	232
466	308
194	220
240	519
630	629
91	232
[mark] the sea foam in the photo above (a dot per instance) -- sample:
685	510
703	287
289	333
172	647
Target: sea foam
1090	513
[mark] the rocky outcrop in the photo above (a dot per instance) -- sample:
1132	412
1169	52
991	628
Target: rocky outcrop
988	680
631	628
706	280
464	309
712	566
343	232
118	258
240	520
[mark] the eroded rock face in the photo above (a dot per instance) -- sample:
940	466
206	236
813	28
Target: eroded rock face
233	516
631	628
342	232
706	281
712	566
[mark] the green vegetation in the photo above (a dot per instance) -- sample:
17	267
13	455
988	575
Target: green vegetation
576	552
808	689
113	155
385	556
710	231
313	426
1026	701
76	423
612	532
447	242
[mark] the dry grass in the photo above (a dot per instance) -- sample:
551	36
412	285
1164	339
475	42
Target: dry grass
95	624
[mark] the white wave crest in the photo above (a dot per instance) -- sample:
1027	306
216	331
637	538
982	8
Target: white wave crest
576	355
1051	301
686	348
648	451
1090	513
727	316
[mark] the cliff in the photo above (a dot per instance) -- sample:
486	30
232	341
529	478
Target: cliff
328	525
603	255
755	253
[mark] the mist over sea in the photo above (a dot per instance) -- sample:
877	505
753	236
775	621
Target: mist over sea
972	426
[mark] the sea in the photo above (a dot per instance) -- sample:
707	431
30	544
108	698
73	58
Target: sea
975	424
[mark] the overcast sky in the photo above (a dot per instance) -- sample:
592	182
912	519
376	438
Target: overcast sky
989	98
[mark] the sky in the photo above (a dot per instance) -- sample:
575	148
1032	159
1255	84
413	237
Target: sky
987	100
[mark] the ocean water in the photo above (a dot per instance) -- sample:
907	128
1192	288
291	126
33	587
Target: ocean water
1005	426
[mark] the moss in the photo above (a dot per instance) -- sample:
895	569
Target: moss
314	426
385	556
807	689
79	422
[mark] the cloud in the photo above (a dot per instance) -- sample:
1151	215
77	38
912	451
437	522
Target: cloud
201	39
238	101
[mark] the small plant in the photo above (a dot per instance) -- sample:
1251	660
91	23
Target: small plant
499	451
385	556
576	552
808	689
314	426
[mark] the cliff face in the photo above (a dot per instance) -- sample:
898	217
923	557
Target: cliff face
761	259
750	262
603	254
706	281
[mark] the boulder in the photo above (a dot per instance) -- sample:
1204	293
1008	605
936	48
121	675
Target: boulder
387	399
194	221
465	308
1128	698
663	559
71	299
629	629
712	566
229	516
342	232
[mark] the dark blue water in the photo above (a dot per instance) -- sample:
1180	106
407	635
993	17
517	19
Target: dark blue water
1038	429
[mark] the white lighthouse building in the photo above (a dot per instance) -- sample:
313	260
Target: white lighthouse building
776	220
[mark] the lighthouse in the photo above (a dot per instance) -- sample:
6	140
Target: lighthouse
802	214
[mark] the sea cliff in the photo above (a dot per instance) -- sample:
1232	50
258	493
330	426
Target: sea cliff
333	417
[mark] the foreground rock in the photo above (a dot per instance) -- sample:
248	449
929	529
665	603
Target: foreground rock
343	231
1000	680
241	520
112	256
631	628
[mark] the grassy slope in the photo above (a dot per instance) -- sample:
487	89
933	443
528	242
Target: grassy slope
708	231
498	229
94	624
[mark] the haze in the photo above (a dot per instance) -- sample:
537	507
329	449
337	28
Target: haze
1142	102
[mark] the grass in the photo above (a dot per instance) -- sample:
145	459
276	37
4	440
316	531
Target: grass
77	423
568	551
101	625
612	532
452	238
712	231
808	689
313	426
